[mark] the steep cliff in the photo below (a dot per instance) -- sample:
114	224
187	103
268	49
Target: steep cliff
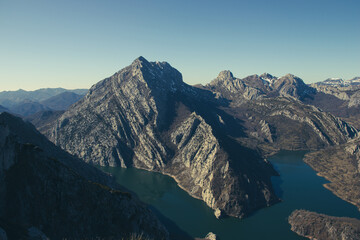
47	192
145	116
313	225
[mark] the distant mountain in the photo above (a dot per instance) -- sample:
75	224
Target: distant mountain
354	82
28	107
257	87
43	120
339	82
26	103
61	101
11	98
46	192
274	115
3	109
341	98
145	116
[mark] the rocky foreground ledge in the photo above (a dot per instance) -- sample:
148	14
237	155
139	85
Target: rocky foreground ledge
317	226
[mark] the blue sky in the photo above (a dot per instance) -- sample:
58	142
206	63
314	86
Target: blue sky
76	43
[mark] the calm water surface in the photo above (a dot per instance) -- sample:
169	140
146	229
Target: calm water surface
298	186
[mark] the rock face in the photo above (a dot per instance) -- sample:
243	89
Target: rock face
145	116
322	227
340	165
45	192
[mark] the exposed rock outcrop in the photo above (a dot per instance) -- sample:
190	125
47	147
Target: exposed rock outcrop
145	116
53	194
211	236
322	227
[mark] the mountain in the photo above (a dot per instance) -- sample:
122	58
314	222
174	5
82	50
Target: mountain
11	98
313	225
42	120
257	87
283	123
27	108
145	116
354	81
274	116
27	103
338	82
339	97
3	109
332	82
339	165
61	101
49	193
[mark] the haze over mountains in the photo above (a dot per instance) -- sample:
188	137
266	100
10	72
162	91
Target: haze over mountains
26	103
213	139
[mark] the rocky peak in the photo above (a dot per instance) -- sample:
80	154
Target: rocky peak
156	74
225	75
267	78
292	86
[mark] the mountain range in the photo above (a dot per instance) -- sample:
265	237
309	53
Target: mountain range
205	137
26	103
212	139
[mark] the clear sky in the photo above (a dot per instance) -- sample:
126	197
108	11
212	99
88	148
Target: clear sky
76	43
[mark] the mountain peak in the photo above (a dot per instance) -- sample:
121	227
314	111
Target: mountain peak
289	75
225	75
140	59
267	76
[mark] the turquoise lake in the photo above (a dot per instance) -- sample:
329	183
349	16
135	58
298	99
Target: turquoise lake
298	186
